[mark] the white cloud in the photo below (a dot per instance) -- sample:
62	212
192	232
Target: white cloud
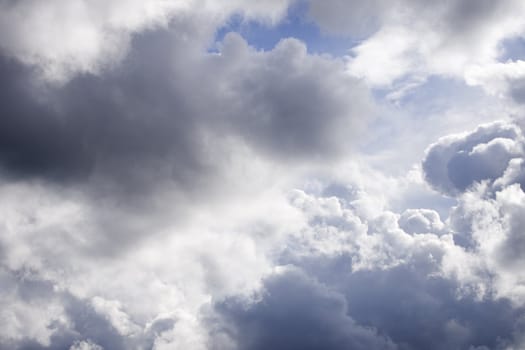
65	38
85	345
414	38
211	200
503	79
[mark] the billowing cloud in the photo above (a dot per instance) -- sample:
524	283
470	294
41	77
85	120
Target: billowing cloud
123	162
385	280
150	112
296	313
457	162
168	184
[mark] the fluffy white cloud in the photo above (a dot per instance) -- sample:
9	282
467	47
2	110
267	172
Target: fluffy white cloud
491	229
421	221
501	79
84	345
416	38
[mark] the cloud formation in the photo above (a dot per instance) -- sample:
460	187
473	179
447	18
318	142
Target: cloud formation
167	184
150	111
409	39
457	162
97	34
297	313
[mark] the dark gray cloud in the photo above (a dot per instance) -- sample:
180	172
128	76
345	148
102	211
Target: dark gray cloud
463	18
296	313
289	111
418	311
399	308
174	121
109	124
350	18
34	139
154	114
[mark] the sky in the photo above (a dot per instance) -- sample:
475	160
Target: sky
273	174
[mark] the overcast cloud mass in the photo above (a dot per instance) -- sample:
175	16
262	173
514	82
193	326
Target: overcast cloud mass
245	175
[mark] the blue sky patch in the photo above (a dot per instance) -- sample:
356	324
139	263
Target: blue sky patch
296	25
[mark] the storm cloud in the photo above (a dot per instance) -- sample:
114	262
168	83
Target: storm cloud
150	111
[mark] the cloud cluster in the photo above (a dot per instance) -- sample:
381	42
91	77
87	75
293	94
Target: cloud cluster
457	162
391	270
297	313
151	111
136	178
162	191
386	273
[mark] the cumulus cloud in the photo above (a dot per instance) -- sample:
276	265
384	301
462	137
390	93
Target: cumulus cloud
456	162
490	189
296	313
165	184
387	280
282	102
491	230
421	221
144	165
393	270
